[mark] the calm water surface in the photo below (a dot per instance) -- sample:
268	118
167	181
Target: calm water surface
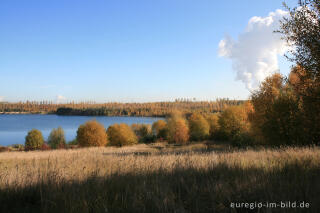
14	128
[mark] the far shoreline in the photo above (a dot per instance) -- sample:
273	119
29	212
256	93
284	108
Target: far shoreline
25	113
53	113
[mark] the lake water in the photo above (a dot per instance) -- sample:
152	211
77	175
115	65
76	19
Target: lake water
14	128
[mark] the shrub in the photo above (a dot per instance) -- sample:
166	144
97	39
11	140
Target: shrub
92	133
56	138
121	134
160	129
199	127
45	147
18	147
178	130
214	126
34	140
143	132
4	149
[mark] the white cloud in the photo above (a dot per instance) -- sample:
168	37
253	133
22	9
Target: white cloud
60	99
1	98
254	54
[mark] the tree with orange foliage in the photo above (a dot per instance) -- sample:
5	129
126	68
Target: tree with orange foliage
178	130
308	94
92	133
121	134
234	123
277	116
262	99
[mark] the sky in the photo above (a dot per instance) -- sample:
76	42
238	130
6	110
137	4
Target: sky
136	51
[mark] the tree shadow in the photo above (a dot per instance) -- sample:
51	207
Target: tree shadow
180	190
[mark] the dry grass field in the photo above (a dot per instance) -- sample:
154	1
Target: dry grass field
158	178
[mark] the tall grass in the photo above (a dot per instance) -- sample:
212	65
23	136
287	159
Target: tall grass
154	178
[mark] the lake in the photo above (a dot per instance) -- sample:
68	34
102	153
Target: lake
14	128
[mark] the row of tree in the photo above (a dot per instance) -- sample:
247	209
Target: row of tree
159	109
180	128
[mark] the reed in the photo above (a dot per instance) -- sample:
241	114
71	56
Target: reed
157	178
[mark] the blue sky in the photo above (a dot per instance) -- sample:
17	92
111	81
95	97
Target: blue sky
122	50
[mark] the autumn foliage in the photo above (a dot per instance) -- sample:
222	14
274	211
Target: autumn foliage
159	109
178	130
121	135
213	123
278	114
199	127
92	133
160	129
143	132
234	123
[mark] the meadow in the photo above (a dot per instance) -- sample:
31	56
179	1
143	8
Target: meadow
159	177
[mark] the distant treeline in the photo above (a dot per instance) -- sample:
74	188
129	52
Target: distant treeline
157	109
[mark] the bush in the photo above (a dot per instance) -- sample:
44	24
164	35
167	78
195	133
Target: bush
4	149
143	132
214	126
92	133
178	130
199	127
34	140
45	147
56	138
18	147
160	129
121	134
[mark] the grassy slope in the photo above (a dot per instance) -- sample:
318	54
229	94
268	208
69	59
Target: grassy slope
156	178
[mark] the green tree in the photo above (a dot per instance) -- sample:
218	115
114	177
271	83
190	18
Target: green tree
301	30
121	134
199	127
56	138
92	133
34	140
